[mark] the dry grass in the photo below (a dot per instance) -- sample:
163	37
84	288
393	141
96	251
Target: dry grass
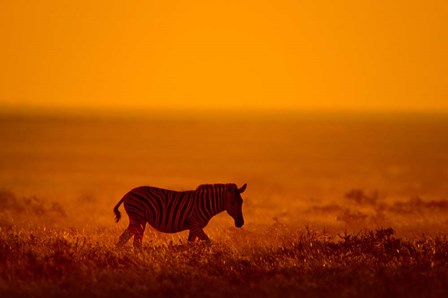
270	261
44	254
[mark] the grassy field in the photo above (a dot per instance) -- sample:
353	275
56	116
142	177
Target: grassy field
269	261
336	205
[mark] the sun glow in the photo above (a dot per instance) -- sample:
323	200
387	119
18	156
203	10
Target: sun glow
224	54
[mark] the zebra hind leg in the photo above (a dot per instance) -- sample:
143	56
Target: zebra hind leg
124	237
138	229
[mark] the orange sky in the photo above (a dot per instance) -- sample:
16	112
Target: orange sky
310	54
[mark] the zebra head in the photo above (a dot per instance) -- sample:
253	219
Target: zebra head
234	204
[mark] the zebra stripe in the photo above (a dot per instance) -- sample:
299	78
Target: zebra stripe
173	211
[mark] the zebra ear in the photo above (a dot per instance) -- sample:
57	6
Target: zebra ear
242	188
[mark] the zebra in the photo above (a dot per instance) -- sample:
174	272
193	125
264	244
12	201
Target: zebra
174	211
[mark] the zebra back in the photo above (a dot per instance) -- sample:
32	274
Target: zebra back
216	187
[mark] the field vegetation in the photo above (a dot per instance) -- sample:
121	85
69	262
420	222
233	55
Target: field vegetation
375	263
54	258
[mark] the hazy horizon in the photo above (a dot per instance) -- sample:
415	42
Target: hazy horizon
250	112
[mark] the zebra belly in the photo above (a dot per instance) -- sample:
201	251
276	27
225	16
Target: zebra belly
165	230
166	227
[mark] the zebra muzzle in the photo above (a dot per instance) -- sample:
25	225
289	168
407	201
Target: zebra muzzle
239	222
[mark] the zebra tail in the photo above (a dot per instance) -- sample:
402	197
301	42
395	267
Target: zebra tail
117	213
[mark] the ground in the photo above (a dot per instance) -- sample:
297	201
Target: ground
269	261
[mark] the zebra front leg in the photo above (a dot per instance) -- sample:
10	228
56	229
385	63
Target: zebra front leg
196	232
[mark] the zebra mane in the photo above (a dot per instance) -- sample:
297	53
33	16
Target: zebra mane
220	186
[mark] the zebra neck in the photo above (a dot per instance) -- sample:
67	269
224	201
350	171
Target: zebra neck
212	204
220	203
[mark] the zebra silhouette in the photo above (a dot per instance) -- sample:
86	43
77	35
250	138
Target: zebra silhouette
174	211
